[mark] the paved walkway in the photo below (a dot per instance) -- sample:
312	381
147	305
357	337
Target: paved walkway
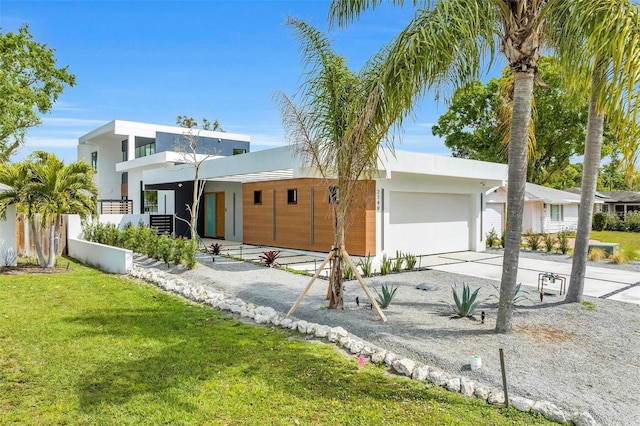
605	283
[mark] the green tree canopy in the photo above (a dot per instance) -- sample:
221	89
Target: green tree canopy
473	126
30	83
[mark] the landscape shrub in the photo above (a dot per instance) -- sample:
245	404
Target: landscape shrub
532	240
599	222
503	238
466	303
385	265
549	241
563	241
397	262
365	266
632	221
620	258
492	238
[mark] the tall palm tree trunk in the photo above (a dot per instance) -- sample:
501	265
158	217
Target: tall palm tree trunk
337	271
592	148
517	178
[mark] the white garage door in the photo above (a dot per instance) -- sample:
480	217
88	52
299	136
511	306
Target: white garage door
425	223
493	218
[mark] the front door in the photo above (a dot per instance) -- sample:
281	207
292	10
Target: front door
214	214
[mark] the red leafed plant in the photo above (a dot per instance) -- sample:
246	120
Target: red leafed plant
269	258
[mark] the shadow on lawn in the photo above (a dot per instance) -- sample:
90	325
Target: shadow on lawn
162	357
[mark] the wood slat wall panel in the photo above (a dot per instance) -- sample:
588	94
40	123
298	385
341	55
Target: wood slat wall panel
293	226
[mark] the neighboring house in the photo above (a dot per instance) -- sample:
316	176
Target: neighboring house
120	151
419	203
620	202
546	210
8	234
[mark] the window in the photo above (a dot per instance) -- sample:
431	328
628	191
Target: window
333	195
125	177
556	213
151	201
144	150
94	161
292	196
257	197
237	151
125	150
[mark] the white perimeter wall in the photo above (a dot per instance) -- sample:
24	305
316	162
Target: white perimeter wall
233	207
109	259
8	233
428	215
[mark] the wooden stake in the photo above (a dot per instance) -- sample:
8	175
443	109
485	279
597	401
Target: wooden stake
315	277
346	257
504	378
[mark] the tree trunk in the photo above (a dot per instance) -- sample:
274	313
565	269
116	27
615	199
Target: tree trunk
57	233
36	241
337	271
52	244
592	151
517	178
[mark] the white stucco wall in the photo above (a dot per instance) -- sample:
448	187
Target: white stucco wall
8	234
109	259
569	219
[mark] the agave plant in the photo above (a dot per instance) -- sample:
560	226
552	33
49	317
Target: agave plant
269	258
386	294
465	305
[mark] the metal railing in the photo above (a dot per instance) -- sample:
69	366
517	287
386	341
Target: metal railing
116	206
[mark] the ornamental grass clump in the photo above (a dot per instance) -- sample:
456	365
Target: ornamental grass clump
397	262
365	266
466	303
386	294
385	265
596	254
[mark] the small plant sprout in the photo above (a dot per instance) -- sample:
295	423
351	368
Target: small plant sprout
269	258
466	303
386	294
587	305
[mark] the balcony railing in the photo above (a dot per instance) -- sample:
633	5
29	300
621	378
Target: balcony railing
116	206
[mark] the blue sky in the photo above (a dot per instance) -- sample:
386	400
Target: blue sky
150	61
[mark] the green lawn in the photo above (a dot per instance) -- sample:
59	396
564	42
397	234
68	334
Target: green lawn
629	241
83	347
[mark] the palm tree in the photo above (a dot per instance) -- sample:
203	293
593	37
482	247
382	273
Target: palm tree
336	127
445	43
45	187
612	67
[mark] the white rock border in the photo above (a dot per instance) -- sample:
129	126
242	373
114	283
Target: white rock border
356	346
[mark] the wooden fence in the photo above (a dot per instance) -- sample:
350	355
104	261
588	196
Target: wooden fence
25	245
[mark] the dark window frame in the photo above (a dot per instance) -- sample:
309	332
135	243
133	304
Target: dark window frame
94	161
257	197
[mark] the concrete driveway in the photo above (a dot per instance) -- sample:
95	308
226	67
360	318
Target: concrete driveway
605	283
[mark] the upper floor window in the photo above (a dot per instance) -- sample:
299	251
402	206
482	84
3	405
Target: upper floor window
237	151
94	161
257	197
292	196
125	150
144	150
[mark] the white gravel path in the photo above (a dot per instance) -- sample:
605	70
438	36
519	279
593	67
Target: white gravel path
580	359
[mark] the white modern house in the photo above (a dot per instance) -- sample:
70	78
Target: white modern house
546	210
8	234
419	203
120	151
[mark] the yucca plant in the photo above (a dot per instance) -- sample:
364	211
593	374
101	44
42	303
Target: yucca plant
386	294
410	260
348	273
465	304
385	265
269	258
397	263
365	266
